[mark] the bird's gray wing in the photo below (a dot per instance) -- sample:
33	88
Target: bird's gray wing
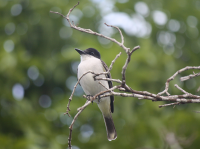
110	86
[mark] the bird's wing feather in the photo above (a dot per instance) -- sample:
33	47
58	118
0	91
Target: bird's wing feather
110	86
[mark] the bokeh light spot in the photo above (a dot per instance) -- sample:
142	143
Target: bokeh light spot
70	82
16	9
88	11
178	53
65	32
65	119
103	41
159	17
33	72
74	66
45	101
165	38
86	130
18	91
174	25
168	49
192	21
8	46
122	1
142	8
72	17
9	28
77	12
39	81
192	32
55	9
135	25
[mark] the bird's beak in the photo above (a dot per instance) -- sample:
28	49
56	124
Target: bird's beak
80	51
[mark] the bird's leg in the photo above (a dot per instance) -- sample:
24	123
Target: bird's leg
88	97
99	99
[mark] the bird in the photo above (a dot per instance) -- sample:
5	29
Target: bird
91	61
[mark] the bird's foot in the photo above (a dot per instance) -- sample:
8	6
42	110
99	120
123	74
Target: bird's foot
89	97
99	99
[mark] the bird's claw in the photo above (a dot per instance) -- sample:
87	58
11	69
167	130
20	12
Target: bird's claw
99	99
89	97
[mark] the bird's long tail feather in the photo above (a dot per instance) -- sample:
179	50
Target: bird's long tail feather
110	127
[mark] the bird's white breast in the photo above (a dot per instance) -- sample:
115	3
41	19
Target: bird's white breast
90	63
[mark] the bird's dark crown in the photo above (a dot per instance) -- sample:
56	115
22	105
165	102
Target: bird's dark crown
93	52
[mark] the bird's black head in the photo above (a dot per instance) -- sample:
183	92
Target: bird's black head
93	52
90	51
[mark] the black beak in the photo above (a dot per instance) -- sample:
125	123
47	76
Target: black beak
80	51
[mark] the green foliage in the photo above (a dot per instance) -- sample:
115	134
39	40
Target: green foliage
38	70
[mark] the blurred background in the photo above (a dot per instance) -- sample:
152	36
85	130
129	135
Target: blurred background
38	66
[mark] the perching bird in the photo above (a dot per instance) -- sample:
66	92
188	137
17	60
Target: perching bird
91	61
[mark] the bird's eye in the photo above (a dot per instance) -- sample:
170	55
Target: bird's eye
92	53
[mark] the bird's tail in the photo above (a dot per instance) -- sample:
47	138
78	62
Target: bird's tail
104	106
110	127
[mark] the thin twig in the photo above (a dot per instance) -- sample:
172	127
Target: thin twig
134	49
189	77
182	90
89	31
196	111
198	89
126	64
103	86
122	37
172	78
111	65
170	104
70	98
109	79
73	121
121	44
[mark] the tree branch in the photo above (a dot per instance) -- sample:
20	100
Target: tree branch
189	77
172	78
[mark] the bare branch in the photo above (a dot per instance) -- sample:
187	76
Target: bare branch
126	64
73	121
198	89
196	111
89	31
103	86
70	98
172	78
189	77
170	104
172	141
134	49
182	90
111	65
109	79
122	37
